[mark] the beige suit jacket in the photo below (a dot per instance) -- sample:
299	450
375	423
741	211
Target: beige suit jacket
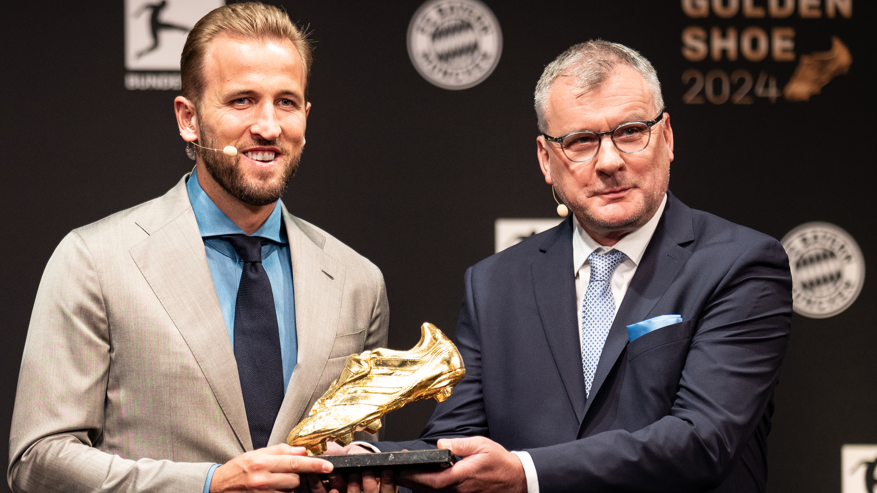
128	380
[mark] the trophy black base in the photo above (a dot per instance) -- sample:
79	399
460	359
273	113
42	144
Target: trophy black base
434	459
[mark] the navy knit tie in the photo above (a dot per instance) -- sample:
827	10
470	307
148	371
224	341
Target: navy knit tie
257	341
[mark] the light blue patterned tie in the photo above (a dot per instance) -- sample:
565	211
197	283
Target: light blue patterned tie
598	311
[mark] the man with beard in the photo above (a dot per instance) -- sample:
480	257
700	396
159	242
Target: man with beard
635	346
174	345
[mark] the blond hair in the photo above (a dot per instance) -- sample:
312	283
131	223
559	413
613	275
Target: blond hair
251	20
589	64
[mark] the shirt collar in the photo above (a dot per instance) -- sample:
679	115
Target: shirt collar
213	222
633	244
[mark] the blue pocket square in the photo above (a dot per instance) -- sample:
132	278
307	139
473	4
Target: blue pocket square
640	329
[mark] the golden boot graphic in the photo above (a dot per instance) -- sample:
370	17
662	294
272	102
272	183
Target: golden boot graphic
376	382
816	70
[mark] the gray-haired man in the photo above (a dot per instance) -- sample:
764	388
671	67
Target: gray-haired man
634	347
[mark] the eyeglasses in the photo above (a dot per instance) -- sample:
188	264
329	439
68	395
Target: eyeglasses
629	138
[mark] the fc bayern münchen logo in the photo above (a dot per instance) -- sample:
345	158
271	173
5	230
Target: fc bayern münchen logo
828	269
454	44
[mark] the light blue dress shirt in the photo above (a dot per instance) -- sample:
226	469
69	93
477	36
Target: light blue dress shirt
226	268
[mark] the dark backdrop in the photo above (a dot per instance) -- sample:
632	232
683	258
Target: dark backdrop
413	176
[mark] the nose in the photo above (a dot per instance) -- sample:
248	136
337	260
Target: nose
266	125
608	159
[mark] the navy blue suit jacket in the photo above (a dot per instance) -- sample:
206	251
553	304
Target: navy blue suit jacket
684	408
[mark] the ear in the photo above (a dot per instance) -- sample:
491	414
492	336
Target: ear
543	153
307	112
186	118
668	135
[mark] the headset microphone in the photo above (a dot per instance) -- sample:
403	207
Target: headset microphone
230	151
562	209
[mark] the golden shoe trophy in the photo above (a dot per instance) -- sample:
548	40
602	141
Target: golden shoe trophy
376	382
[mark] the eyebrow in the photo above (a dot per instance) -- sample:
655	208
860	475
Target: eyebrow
634	118
292	95
249	92
637	117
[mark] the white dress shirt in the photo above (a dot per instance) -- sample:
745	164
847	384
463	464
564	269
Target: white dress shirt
633	245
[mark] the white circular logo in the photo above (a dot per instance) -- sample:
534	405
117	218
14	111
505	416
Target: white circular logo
454	44
828	269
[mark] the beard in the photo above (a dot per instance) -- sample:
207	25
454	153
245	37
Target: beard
259	190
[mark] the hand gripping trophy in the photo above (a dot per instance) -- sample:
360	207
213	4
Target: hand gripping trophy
376	382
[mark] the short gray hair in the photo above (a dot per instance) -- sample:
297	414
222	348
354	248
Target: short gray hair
590	64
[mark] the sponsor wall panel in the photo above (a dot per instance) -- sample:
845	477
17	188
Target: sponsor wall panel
415	176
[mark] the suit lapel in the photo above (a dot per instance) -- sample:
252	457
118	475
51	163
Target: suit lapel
318	282
173	261
662	261
555	292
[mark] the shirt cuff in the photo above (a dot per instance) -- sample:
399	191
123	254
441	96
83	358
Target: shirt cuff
366	445
529	471
209	478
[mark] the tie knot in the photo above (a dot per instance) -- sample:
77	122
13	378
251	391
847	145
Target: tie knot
602	266
249	248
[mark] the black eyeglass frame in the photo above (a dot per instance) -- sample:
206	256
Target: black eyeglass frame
611	133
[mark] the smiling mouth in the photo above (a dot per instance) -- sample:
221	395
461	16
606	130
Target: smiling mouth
261	156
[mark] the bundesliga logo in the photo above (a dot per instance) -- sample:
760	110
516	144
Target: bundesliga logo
828	269
155	32
454	44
